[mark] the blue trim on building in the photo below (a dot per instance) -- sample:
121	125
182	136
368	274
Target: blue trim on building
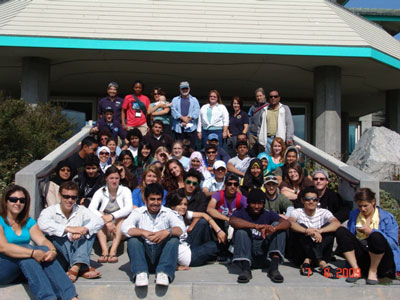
381	18
196	47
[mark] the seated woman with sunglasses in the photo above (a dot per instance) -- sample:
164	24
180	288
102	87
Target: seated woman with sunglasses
113	203
51	187
370	242
313	236
103	153
46	278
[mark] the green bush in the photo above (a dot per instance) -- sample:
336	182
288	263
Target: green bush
27	133
390	204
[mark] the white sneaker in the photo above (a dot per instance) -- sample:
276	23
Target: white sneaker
142	279
162	279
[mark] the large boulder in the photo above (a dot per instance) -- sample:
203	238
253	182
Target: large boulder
377	153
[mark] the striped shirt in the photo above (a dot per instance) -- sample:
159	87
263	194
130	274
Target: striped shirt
320	218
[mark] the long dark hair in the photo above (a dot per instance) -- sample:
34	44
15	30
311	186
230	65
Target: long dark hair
364	194
142	161
170	182
295	165
23	216
249	181
174	199
129	181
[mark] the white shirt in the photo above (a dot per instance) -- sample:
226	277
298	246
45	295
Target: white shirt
219	117
141	218
133	150
102	197
184	252
240	164
52	220
213	185
319	219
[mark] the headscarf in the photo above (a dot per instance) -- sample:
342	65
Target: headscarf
251	182
103	165
57	179
202	169
267	171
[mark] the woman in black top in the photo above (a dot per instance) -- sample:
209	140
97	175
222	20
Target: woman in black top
238	123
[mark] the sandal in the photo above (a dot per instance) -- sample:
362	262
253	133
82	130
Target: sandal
90	273
72	275
306	270
329	272
102	259
112	259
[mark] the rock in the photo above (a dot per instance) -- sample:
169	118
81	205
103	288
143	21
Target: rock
377	153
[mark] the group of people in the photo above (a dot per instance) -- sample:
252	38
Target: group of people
180	208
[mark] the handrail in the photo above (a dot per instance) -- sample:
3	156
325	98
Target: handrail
30	176
353	176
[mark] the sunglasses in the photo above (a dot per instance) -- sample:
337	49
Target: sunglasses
22	200
319	179
308	198
69	197
211	152
189	182
274	96
65	170
232	183
103	153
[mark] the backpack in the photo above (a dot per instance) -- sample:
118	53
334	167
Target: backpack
221	202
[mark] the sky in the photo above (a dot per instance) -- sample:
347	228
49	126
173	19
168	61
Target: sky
395	4
374	3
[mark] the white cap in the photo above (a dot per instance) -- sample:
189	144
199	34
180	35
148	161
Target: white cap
219	164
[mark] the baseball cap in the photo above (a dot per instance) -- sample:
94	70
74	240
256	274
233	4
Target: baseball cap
109	109
184	85
212	136
219	164
271	178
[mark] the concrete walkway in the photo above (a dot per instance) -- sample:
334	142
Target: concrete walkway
217	281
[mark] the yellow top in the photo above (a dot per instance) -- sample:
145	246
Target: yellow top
361	220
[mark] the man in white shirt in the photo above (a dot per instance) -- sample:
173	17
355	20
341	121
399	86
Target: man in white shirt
239	164
153	231
216	183
72	229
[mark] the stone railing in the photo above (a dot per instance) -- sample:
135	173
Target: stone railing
30	176
350	178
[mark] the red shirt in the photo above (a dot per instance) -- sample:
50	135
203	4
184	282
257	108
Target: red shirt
130	107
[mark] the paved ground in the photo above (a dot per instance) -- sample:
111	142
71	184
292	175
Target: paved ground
216	281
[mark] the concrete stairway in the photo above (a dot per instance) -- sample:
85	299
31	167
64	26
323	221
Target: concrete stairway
216	281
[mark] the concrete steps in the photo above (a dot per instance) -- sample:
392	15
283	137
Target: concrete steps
216	281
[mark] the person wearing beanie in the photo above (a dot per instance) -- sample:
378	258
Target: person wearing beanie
259	237
328	198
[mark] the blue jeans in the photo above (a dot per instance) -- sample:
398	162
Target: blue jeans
201	244
75	252
46	280
146	257
205	133
268	146
258	251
